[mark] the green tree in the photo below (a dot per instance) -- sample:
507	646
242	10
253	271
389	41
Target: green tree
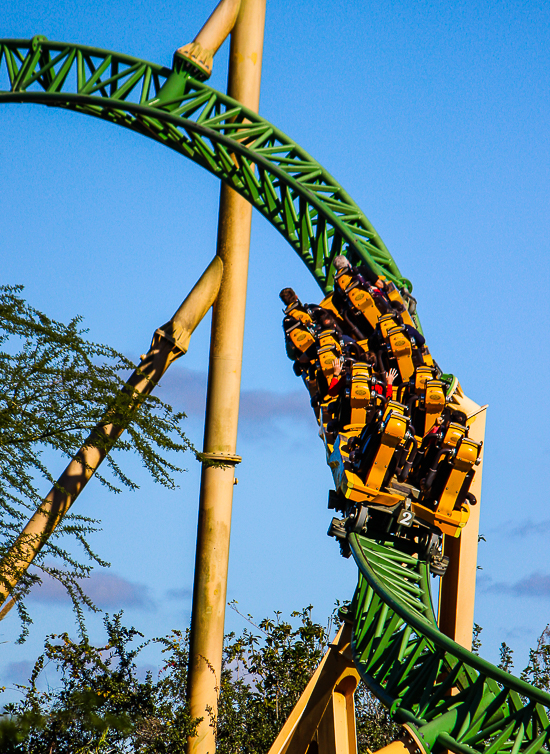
55	387
264	675
476	641
506	658
101	706
537	671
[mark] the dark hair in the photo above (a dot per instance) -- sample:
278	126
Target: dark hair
398	306
288	296
327	316
459	417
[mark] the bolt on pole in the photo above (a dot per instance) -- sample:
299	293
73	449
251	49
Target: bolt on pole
224	378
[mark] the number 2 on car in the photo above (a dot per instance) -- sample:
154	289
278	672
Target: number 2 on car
405	518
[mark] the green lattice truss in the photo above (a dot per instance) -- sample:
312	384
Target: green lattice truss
291	189
449	697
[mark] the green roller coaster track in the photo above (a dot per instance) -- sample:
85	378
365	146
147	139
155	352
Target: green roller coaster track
291	189
448	697
451	698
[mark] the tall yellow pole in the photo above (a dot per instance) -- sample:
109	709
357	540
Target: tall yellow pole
224	377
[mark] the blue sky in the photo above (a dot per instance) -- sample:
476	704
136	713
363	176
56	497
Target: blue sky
434	117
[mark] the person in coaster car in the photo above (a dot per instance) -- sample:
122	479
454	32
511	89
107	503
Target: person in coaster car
376	289
337	380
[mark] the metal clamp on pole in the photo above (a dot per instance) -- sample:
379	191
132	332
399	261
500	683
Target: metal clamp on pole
225	458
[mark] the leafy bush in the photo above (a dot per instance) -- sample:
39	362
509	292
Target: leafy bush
102	706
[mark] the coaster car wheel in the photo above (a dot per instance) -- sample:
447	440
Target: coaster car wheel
358	522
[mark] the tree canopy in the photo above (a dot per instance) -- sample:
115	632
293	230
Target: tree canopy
55	387
101	705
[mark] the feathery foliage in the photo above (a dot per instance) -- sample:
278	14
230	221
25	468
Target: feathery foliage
537	671
55	388
101	705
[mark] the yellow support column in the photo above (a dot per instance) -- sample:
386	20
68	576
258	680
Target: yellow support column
220	437
323	719
458	586
215	31
337	732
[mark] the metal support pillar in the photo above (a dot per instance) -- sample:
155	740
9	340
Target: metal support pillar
215	31
458	586
224	377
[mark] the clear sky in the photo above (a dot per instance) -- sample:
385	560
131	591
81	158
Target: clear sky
434	117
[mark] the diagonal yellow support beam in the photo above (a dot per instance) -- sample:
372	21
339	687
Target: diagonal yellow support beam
324	716
169	343
200	52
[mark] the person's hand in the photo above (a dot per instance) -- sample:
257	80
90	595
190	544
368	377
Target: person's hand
337	367
391	375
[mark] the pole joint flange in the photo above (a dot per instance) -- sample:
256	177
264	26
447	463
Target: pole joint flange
225	458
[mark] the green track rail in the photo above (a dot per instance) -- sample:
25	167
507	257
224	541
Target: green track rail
296	194
448	697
